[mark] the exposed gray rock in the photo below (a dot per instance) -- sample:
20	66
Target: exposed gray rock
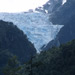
64	16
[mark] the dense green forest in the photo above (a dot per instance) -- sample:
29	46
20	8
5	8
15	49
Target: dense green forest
14	42
55	61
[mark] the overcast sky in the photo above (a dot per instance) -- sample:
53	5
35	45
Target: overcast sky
19	5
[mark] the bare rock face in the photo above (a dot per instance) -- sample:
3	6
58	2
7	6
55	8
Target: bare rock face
65	16
52	5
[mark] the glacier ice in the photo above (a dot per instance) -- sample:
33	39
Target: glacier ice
36	26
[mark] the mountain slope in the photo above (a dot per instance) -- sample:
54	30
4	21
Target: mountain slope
68	20
64	16
52	5
14	42
56	61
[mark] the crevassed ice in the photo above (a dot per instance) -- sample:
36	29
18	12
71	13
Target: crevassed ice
36	26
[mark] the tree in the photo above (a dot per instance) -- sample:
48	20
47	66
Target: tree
13	67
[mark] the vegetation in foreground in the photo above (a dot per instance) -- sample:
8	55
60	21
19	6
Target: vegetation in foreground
55	61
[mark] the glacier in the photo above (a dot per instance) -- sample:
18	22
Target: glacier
36	25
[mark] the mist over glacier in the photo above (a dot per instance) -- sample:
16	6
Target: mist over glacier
36	26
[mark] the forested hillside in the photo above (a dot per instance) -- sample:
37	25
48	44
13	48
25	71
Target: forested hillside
14	42
55	61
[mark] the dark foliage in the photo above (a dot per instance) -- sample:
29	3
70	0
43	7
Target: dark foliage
14	42
55	61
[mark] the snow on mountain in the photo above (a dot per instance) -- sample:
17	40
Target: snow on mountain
64	1
36	26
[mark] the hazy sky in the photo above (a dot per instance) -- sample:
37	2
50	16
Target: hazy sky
19	5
